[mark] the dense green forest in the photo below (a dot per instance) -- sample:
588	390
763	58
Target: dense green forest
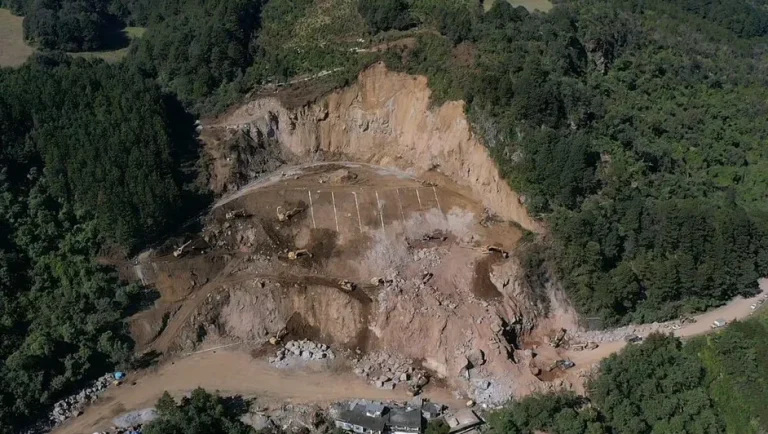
636	129
709	385
200	413
89	157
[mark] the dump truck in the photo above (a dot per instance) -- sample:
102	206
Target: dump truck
283	215
720	322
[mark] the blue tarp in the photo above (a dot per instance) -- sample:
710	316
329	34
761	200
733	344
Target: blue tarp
119	375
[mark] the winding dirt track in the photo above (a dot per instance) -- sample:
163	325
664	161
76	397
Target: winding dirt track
232	373
738	308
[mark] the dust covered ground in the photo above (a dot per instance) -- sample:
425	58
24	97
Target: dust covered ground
424	288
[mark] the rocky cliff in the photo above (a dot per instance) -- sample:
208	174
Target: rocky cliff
385	118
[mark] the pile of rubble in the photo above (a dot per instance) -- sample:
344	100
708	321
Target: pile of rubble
620	333
74	405
385	372
303	350
428	258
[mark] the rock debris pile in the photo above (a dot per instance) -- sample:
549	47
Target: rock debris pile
303	350
428	258
620	333
386	372
74	405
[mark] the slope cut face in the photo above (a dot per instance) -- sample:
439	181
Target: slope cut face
385	118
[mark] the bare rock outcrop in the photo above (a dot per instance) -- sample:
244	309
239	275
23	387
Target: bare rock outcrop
385	118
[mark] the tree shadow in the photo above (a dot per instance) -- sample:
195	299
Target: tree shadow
145	360
114	36
236	405
143	300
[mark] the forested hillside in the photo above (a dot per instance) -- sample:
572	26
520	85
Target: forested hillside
635	128
89	157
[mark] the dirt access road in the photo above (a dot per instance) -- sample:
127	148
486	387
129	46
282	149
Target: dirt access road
739	308
236	372
232	373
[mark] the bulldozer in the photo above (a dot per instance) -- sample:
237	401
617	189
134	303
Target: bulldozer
283	216
182	250
296	254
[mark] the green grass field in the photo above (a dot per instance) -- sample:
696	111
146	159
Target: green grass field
13	50
531	5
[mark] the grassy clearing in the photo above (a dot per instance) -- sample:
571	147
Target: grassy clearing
531	5
113	56
13	50
321	24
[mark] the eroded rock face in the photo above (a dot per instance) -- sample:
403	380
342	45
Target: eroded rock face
385	118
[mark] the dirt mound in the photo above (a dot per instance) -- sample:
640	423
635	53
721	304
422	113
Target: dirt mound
385	119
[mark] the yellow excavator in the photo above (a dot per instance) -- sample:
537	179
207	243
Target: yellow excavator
283	215
487	250
182	250
278	338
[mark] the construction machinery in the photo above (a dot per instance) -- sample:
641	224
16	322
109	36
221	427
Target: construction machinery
296	254
346	285
557	339
234	214
278	338
487	250
183	249
493	249
685	319
283	215
562	364
578	347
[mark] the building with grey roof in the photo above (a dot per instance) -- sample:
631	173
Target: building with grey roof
365	417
